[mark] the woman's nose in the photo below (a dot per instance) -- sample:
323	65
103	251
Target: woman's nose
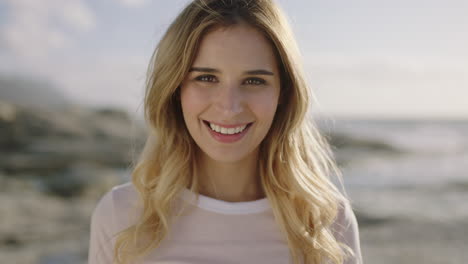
228	101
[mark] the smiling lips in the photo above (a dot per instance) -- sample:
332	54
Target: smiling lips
227	133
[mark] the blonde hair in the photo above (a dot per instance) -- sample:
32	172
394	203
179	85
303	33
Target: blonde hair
295	159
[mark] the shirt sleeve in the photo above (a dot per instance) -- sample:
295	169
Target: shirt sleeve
346	230
101	237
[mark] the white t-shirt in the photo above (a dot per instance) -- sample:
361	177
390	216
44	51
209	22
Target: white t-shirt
210	231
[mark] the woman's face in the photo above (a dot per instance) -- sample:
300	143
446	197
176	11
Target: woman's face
230	95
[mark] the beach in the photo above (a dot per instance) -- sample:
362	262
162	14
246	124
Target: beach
407	181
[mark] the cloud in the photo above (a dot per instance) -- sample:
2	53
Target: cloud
380	85
77	15
41	38
34	28
133	3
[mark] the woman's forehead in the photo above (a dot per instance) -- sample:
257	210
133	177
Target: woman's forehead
239	45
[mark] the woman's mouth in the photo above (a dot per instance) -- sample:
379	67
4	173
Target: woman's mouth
227	133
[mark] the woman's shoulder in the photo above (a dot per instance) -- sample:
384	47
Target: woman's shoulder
346	230
119	197
117	208
345	219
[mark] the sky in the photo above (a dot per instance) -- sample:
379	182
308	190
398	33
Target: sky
363	58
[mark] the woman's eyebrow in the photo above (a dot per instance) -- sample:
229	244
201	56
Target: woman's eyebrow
204	69
251	72
259	72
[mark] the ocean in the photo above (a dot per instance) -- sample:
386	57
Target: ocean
403	153
407	181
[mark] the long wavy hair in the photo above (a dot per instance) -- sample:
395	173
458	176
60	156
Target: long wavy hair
295	160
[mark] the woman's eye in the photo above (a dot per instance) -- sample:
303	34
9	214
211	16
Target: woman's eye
206	78
254	81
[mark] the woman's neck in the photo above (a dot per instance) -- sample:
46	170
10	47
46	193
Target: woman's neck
230	181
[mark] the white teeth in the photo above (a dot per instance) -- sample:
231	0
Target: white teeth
227	131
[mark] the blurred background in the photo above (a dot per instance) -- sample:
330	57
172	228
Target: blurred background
391	85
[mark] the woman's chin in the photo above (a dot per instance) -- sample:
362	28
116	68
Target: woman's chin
228	156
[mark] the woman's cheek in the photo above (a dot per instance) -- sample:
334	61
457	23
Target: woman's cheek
193	97
265	102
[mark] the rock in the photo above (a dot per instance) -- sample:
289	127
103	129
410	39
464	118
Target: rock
340	140
7	112
366	219
11	241
15	163
454	186
8	115
61	258
50	140
78	179
31	91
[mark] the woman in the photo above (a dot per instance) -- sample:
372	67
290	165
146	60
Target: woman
233	171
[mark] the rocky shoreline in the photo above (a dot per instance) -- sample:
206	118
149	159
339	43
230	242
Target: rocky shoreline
56	163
